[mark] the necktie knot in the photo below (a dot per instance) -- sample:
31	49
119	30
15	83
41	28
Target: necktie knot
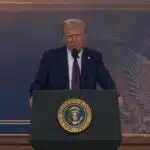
75	53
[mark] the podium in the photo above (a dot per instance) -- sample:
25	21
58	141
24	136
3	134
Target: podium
70	119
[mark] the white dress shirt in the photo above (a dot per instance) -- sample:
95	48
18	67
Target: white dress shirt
70	64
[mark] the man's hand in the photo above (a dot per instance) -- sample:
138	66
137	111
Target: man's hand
30	101
120	100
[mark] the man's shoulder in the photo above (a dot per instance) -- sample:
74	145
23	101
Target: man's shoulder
94	52
54	51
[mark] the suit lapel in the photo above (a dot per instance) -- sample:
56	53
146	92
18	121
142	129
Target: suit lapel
85	64
64	64
84	67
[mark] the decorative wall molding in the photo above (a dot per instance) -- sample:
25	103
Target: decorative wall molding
23	139
14	122
17	6
23	143
125	136
28	122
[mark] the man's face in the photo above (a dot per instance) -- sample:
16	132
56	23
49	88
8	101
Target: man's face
74	37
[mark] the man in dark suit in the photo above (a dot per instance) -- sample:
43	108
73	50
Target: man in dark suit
73	65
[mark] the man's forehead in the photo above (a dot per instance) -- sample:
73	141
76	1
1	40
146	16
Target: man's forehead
74	33
74	30
74	27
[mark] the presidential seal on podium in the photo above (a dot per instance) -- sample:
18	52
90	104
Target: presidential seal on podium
74	115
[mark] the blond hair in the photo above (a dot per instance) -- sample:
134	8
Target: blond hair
71	23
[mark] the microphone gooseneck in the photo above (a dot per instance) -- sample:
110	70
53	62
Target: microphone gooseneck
75	53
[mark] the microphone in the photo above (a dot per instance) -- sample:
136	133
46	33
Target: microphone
75	53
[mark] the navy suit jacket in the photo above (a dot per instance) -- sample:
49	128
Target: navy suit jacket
53	71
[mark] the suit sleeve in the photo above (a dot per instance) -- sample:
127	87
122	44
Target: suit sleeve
40	79
103	76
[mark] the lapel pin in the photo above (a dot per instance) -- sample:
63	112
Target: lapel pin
89	57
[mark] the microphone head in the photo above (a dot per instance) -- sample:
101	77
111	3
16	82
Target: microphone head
75	53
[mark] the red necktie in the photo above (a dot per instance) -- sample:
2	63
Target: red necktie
75	71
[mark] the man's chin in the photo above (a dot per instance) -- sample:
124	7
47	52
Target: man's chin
77	47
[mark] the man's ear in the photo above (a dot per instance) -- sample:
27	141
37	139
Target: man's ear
64	38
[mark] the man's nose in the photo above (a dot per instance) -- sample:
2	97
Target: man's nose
74	38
